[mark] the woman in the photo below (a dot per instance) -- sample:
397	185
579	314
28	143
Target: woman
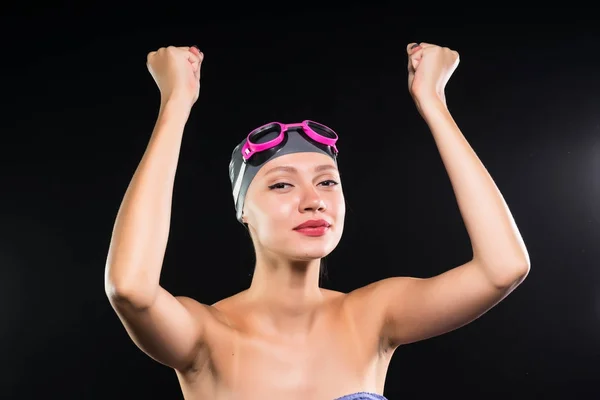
285	337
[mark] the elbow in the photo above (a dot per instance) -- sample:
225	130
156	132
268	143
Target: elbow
521	268
506	275
512	275
505	269
520	273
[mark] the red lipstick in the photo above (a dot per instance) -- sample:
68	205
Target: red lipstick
313	227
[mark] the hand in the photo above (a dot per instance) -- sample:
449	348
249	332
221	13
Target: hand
429	69
176	71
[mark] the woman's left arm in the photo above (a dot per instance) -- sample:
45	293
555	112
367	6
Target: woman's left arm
415	309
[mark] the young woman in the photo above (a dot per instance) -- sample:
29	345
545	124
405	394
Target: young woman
285	337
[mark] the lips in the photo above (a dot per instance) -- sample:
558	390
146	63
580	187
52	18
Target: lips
319	223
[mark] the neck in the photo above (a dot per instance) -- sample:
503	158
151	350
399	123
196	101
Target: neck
289	286
286	294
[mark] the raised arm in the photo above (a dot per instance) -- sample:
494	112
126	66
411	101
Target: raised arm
167	328
410	309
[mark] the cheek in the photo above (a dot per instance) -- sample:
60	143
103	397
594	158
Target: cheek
279	208
341	211
339	205
273	219
271	216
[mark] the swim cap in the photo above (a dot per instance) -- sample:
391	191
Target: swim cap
241	173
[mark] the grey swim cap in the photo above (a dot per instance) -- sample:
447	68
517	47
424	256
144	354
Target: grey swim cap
241	173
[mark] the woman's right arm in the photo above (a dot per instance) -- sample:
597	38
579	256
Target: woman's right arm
168	329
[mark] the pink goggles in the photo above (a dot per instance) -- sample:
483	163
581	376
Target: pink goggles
317	132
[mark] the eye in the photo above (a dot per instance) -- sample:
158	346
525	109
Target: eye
279	185
328	182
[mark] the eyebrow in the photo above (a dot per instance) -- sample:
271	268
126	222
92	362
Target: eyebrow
290	169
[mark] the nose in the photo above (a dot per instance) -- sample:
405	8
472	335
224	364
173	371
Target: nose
312	201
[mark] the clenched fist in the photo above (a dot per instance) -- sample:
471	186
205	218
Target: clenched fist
429	69
176	71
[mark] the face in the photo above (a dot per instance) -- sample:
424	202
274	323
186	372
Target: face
291	190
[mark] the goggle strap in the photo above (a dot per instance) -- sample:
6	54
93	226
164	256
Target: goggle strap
238	183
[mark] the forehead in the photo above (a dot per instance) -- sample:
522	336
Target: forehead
309	162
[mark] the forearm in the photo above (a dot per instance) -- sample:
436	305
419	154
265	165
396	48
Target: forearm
141	229
496	242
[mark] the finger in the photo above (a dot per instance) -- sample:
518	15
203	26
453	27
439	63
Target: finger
196	60
195	50
411	46
197	53
150	55
414	46
414	59
193	58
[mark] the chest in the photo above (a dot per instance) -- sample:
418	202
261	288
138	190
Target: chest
329	362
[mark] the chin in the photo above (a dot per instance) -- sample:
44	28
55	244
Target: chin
308	255
306	251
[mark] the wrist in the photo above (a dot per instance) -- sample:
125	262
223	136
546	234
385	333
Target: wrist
175	106
431	104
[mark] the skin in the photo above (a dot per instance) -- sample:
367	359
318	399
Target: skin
285	337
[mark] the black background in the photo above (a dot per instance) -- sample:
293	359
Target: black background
78	107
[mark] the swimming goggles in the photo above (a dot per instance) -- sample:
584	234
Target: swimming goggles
314	130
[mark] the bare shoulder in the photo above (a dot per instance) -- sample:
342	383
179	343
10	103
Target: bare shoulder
209	314
333	295
367	303
356	300
354	304
230	303
225	310
194	307
369	296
